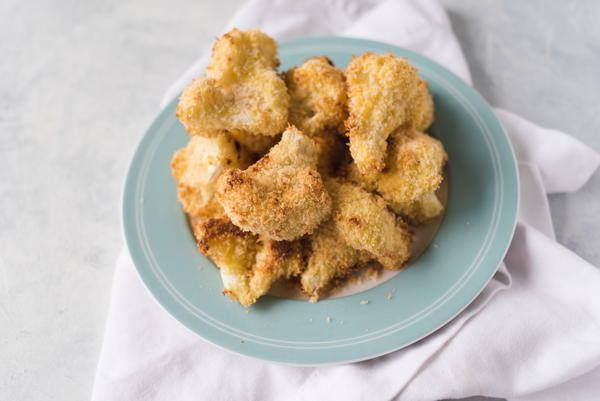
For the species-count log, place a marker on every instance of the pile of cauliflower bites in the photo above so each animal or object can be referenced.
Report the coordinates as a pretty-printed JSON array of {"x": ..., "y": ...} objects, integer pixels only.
[{"x": 311, "y": 174}]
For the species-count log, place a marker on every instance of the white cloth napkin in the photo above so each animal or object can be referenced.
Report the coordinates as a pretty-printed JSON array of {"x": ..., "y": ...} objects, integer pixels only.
[{"x": 533, "y": 334}]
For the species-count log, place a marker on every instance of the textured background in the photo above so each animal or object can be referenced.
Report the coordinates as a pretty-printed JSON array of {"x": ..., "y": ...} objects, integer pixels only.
[{"x": 80, "y": 82}]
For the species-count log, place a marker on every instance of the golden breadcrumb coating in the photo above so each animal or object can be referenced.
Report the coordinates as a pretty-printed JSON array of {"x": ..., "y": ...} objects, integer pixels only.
[
  {"x": 274, "y": 260},
  {"x": 280, "y": 197},
  {"x": 197, "y": 167},
  {"x": 364, "y": 222},
  {"x": 234, "y": 252},
  {"x": 197, "y": 225},
  {"x": 317, "y": 95},
  {"x": 414, "y": 166},
  {"x": 384, "y": 92},
  {"x": 420, "y": 211},
  {"x": 248, "y": 265},
  {"x": 241, "y": 91},
  {"x": 257, "y": 144},
  {"x": 330, "y": 259}
]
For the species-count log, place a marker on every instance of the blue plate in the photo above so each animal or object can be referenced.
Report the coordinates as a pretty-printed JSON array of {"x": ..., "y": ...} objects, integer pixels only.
[{"x": 472, "y": 240}]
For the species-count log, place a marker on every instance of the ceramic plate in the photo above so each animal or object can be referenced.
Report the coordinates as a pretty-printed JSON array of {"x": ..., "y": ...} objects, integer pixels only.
[{"x": 469, "y": 245}]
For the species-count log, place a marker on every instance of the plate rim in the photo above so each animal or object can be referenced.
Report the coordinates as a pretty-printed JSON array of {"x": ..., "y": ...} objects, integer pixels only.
[{"x": 159, "y": 119}]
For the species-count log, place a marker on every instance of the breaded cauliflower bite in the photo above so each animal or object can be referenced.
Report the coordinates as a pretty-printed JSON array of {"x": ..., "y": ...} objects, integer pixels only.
[
  {"x": 275, "y": 260},
  {"x": 241, "y": 91},
  {"x": 330, "y": 259},
  {"x": 248, "y": 264},
  {"x": 414, "y": 167},
  {"x": 317, "y": 95},
  {"x": 384, "y": 92},
  {"x": 420, "y": 211},
  {"x": 234, "y": 252},
  {"x": 280, "y": 197},
  {"x": 364, "y": 222},
  {"x": 414, "y": 170},
  {"x": 197, "y": 167}
]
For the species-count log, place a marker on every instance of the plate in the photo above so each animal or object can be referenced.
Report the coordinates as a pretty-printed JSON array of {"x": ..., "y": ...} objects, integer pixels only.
[{"x": 467, "y": 249}]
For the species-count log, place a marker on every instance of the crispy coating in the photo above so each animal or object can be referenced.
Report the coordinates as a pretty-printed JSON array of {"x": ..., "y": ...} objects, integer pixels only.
[
  {"x": 384, "y": 92},
  {"x": 330, "y": 259},
  {"x": 280, "y": 197},
  {"x": 248, "y": 264},
  {"x": 234, "y": 252},
  {"x": 364, "y": 222},
  {"x": 414, "y": 167},
  {"x": 197, "y": 167},
  {"x": 197, "y": 226},
  {"x": 274, "y": 260},
  {"x": 241, "y": 91},
  {"x": 317, "y": 95},
  {"x": 420, "y": 211}
]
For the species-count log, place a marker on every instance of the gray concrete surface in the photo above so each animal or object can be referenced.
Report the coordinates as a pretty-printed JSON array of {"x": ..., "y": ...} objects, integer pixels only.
[{"x": 80, "y": 82}]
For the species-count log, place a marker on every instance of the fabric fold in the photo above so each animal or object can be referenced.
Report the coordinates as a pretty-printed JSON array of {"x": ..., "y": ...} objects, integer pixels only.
[{"x": 565, "y": 164}]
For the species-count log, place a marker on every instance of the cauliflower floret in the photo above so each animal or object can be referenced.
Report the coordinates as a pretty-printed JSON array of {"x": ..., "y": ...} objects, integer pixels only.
[
  {"x": 414, "y": 167},
  {"x": 197, "y": 167},
  {"x": 248, "y": 264},
  {"x": 280, "y": 197},
  {"x": 242, "y": 90},
  {"x": 317, "y": 95},
  {"x": 330, "y": 259},
  {"x": 364, "y": 222},
  {"x": 384, "y": 92},
  {"x": 420, "y": 211}
]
